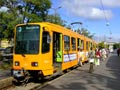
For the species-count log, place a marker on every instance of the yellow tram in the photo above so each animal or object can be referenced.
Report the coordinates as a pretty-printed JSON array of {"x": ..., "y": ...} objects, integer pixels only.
[{"x": 45, "y": 49}]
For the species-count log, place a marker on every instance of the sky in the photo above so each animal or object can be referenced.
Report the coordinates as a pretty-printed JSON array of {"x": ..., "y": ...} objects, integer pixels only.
[{"x": 101, "y": 17}]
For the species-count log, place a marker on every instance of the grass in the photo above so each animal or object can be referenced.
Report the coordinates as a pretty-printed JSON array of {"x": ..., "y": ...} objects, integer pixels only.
[{"x": 5, "y": 65}]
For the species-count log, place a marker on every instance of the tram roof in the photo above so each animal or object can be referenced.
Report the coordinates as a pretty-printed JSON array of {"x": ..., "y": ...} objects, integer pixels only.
[{"x": 61, "y": 29}]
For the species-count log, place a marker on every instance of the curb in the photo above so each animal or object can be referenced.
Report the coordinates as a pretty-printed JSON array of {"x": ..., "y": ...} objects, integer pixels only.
[{"x": 6, "y": 82}]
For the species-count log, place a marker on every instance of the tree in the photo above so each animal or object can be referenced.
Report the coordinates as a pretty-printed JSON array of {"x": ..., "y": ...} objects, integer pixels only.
[
  {"x": 20, "y": 11},
  {"x": 85, "y": 32},
  {"x": 68, "y": 26},
  {"x": 56, "y": 19},
  {"x": 101, "y": 45},
  {"x": 116, "y": 45},
  {"x": 34, "y": 10}
]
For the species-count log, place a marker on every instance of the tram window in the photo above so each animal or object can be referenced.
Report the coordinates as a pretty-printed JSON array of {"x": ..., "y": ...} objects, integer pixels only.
[
  {"x": 87, "y": 45},
  {"x": 45, "y": 44},
  {"x": 66, "y": 43},
  {"x": 78, "y": 42},
  {"x": 82, "y": 44},
  {"x": 91, "y": 45},
  {"x": 94, "y": 46},
  {"x": 73, "y": 41}
]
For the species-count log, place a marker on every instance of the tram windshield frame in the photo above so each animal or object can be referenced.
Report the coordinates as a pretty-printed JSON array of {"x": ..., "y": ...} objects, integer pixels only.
[{"x": 27, "y": 39}]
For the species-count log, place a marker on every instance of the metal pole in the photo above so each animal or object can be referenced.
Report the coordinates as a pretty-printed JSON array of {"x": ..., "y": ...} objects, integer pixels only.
[{"x": 55, "y": 12}]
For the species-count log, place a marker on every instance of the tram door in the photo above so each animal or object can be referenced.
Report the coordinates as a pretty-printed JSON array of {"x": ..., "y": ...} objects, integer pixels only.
[{"x": 57, "y": 51}]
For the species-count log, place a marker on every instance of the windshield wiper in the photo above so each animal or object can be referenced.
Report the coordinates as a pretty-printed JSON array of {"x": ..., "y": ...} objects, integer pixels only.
[{"x": 23, "y": 54}]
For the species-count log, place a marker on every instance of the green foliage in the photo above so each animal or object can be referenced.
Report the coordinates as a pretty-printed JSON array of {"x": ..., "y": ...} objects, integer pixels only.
[
  {"x": 56, "y": 19},
  {"x": 68, "y": 26},
  {"x": 101, "y": 45},
  {"x": 1, "y": 2},
  {"x": 5, "y": 65},
  {"x": 20, "y": 11},
  {"x": 85, "y": 32},
  {"x": 107, "y": 46},
  {"x": 35, "y": 10},
  {"x": 116, "y": 45}
]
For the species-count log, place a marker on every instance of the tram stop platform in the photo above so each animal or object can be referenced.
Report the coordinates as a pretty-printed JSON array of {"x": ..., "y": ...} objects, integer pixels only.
[{"x": 105, "y": 77}]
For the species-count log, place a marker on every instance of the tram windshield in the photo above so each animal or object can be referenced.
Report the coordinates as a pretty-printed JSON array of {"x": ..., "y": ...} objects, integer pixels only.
[{"x": 27, "y": 39}]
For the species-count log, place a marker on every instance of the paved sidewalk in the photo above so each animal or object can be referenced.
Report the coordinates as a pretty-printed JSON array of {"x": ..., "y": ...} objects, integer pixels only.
[
  {"x": 105, "y": 77},
  {"x": 4, "y": 74}
]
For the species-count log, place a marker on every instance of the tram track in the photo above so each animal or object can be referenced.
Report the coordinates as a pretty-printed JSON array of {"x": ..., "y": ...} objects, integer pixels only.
[{"x": 33, "y": 84}]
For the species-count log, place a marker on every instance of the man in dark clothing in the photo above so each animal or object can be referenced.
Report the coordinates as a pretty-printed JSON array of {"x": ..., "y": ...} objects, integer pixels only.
[{"x": 118, "y": 51}]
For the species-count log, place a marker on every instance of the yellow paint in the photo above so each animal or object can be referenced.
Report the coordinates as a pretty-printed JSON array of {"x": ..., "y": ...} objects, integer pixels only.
[{"x": 45, "y": 61}]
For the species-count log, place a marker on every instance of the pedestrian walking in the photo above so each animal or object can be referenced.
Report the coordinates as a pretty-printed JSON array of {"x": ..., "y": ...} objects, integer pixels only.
[
  {"x": 118, "y": 51},
  {"x": 97, "y": 57},
  {"x": 91, "y": 56},
  {"x": 107, "y": 52},
  {"x": 80, "y": 56},
  {"x": 103, "y": 54}
]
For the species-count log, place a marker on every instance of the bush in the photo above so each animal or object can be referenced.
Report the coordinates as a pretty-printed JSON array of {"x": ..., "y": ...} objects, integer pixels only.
[{"x": 5, "y": 65}]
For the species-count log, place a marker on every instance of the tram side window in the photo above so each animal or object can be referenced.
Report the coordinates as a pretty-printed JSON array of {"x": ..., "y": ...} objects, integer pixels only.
[
  {"x": 87, "y": 45},
  {"x": 78, "y": 43},
  {"x": 73, "y": 41},
  {"x": 66, "y": 43},
  {"x": 82, "y": 44},
  {"x": 45, "y": 43},
  {"x": 91, "y": 45},
  {"x": 94, "y": 46}
]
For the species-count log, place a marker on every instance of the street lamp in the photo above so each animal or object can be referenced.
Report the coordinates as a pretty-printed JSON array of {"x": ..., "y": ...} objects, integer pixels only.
[{"x": 55, "y": 11}]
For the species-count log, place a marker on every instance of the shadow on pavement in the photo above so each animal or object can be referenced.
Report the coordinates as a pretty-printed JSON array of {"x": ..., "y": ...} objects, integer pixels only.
[{"x": 105, "y": 77}]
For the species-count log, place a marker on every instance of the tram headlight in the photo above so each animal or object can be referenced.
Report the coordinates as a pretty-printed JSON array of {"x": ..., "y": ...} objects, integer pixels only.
[
  {"x": 17, "y": 63},
  {"x": 34, "y": 64}
]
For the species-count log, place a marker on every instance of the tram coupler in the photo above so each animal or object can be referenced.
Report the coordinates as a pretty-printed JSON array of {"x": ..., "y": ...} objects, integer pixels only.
[{"x": 20, "y": 75}]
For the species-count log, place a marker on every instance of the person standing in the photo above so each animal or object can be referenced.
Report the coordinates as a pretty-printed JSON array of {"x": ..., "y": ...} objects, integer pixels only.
[
  {"x": 97, "y": 55},
  {"x": 118, "y": 51},
  {"x": 103, "y": 54},
  {"x": 80, "y": 56},
  {"x": 91, "y": 56}
]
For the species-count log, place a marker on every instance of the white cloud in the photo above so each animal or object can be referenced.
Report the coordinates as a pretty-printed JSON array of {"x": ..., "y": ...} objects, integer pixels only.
[
  {"x": 96, "y": 13},
  {"x": 3, "y": 9},
  {"x": 90, "y": 9},
  {"x": 111, "y": 3}
]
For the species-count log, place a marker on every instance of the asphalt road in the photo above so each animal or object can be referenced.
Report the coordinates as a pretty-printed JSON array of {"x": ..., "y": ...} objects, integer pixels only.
[{"x": 105, "y": 77}]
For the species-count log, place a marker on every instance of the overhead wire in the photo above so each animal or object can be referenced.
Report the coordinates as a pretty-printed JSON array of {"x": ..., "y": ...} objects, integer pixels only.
[
  {"x": 103, "y": 11},
  {"x": 107, "y": 22}
]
